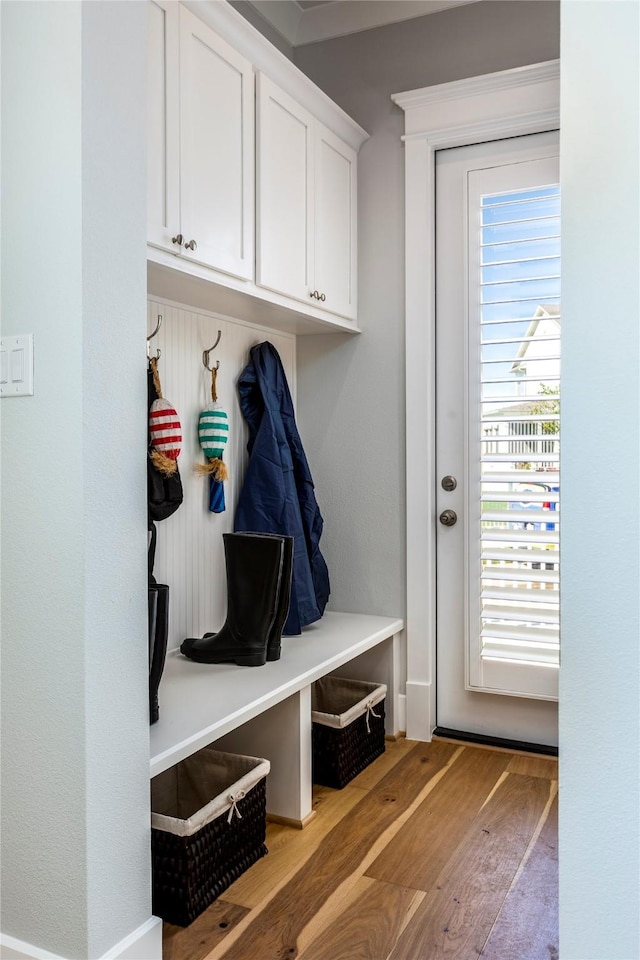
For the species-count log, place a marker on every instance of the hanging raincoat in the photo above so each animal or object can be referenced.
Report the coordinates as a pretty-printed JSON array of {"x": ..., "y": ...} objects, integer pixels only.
[{"x": 277, "y": 495}]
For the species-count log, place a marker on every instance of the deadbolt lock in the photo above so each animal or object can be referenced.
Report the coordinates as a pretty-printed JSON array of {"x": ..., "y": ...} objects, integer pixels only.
[
  {"x": 448, "y": 518},
  {"x": 449, "y": 483}
]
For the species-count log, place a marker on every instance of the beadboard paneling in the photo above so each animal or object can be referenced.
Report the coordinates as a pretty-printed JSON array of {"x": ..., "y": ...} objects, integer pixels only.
[{"x": 189, "y": 555}]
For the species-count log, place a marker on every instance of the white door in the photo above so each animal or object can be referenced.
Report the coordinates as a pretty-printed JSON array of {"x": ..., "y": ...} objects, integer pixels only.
[
  {"x": 497, "y": 446},
  {"x": 216, "y": 150}
]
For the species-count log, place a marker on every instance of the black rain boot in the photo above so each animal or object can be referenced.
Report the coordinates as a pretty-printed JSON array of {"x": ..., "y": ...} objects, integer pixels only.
[
  {"x": 283, "y": 599},
  {"x": 159, "y": 600},
  {"x": 254, "y": 570}
]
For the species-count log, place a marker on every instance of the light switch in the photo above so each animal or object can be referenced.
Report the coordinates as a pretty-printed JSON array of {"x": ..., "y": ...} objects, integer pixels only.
[{"x": 16, "y": 366}]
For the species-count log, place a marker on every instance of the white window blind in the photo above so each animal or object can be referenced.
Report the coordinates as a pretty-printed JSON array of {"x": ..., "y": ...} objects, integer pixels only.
[{"x": 517, "y": 446}]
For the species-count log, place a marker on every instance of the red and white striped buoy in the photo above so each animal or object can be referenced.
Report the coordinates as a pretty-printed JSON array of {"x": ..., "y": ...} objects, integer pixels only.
[{"x": 166, "y": 435}]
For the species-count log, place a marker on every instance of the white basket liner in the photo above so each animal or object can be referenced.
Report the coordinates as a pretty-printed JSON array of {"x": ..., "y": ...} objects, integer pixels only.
[
  {"x": 201, "y": 788},
  {"x": 340, "y": 693}
]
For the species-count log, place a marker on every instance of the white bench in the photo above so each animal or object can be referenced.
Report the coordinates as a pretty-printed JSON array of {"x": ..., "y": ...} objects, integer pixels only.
[{"x": 266, "y": 711}]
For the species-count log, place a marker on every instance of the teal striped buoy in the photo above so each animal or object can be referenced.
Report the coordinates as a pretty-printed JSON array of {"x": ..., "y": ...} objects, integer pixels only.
[{"x": 213, "y": 431}]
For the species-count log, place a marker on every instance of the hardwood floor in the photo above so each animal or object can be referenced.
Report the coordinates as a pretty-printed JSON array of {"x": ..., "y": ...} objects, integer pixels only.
[{"x": 437, "y": 851}]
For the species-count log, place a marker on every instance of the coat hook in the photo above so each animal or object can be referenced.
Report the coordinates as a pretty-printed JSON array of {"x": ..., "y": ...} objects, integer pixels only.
[
  {"x": 152, "y": 335},
  {"x": 205, "y": 353}
]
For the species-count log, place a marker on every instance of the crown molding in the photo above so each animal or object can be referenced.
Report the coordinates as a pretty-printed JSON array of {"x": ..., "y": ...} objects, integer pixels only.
[
  {"x": 283, "y": 15},
  {"x": 479, "y": 86},
  {"x": 496, "y": 104}
]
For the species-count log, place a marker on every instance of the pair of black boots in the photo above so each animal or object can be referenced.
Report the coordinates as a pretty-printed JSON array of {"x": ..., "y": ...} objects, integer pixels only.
[{"x": 259, "y": 567}]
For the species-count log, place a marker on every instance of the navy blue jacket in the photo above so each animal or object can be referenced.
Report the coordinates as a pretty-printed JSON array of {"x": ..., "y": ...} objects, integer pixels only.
[{"x": 277, "y": 495}]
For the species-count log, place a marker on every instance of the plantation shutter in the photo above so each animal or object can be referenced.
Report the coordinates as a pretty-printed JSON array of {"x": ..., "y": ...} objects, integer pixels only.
[{"x": 514, "y": 438}]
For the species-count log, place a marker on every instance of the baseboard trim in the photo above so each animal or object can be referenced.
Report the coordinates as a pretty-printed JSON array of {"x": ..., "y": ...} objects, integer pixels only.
[
  {"x": 13, "y": 949},
  {"x": 290, "y": 821},
  {"x": 144, "y": 943},
  {"x": 522, "y": 746},
  {"x": 419, "y": 711},
  {"x": 402, "y": 711}
]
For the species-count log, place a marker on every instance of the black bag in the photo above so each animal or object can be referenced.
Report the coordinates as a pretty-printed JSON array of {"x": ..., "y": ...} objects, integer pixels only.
[{"x": 164, "y": 494}]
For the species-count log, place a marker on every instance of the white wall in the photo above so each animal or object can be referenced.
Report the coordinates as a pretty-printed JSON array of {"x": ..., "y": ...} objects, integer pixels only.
[
  {"x": 351, "y": 391},
  {"x": 600, "y": 675},
  {"x": 75, "y": 843}
]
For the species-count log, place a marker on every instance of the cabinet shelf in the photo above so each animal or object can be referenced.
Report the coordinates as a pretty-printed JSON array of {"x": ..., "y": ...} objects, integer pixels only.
[
  {"x": 200, "y": 703},
  {"x": 170, "y": 278}
]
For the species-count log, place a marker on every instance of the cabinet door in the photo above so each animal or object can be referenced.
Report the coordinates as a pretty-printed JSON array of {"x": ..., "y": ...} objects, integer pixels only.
[
  {"x": 216, "y": 150},
  {"x": 163, "y": 130},
  {"x": 335, "y": 223},
  {"x": 284, "y": 193}
]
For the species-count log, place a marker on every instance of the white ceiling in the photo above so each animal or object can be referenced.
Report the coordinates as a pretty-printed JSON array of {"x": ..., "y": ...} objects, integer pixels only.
[{"x": 307, "y": 21}]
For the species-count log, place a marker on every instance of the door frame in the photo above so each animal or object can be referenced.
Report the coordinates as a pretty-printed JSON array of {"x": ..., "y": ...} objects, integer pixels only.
[{"x": 491, "y": 107}]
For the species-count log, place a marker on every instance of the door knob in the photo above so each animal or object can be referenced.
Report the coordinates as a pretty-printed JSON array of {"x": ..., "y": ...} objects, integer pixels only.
[{"x": 448, "y": 518}]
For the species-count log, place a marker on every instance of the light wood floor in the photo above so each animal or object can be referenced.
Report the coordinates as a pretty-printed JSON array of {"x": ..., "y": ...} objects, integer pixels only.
[{"x": 436, "y": 851}]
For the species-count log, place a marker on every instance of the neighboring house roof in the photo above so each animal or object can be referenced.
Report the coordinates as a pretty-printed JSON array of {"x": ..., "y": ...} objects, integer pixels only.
[{"x": 548, "y": 312}]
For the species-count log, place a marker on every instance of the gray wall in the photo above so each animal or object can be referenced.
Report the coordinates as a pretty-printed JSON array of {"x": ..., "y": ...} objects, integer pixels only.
[
  {"x": 600, "y": 676},
  {"x": 351, "y": 391},
  {"x": 75, "y": 758}
]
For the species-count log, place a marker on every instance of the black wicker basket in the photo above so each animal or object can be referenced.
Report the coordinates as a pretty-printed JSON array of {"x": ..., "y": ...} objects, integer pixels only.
[
  {"x": 194, "y": 867},
  {"x": 348, "y": 728}
]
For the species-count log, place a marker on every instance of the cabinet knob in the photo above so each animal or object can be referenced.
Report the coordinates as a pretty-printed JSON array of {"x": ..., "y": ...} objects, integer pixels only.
[
  {"x": 177, "y": 239},
  {"x": 322, "y": 297},
  {"x": 191, "y": 245}
]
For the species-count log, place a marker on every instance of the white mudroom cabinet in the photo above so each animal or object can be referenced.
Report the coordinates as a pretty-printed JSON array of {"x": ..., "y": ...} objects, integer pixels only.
[
  {"x": 273, "y": 263},
  {"x": 200, "y": 153},
  {"x": 306, "y": 205},
  {"x": 251, "y": 176}
]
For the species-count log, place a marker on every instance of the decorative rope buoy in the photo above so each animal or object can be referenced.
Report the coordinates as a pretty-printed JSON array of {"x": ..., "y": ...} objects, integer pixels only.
[
  {"x": 213, "y": 433},
  {"x": 164, "y": 429}
]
